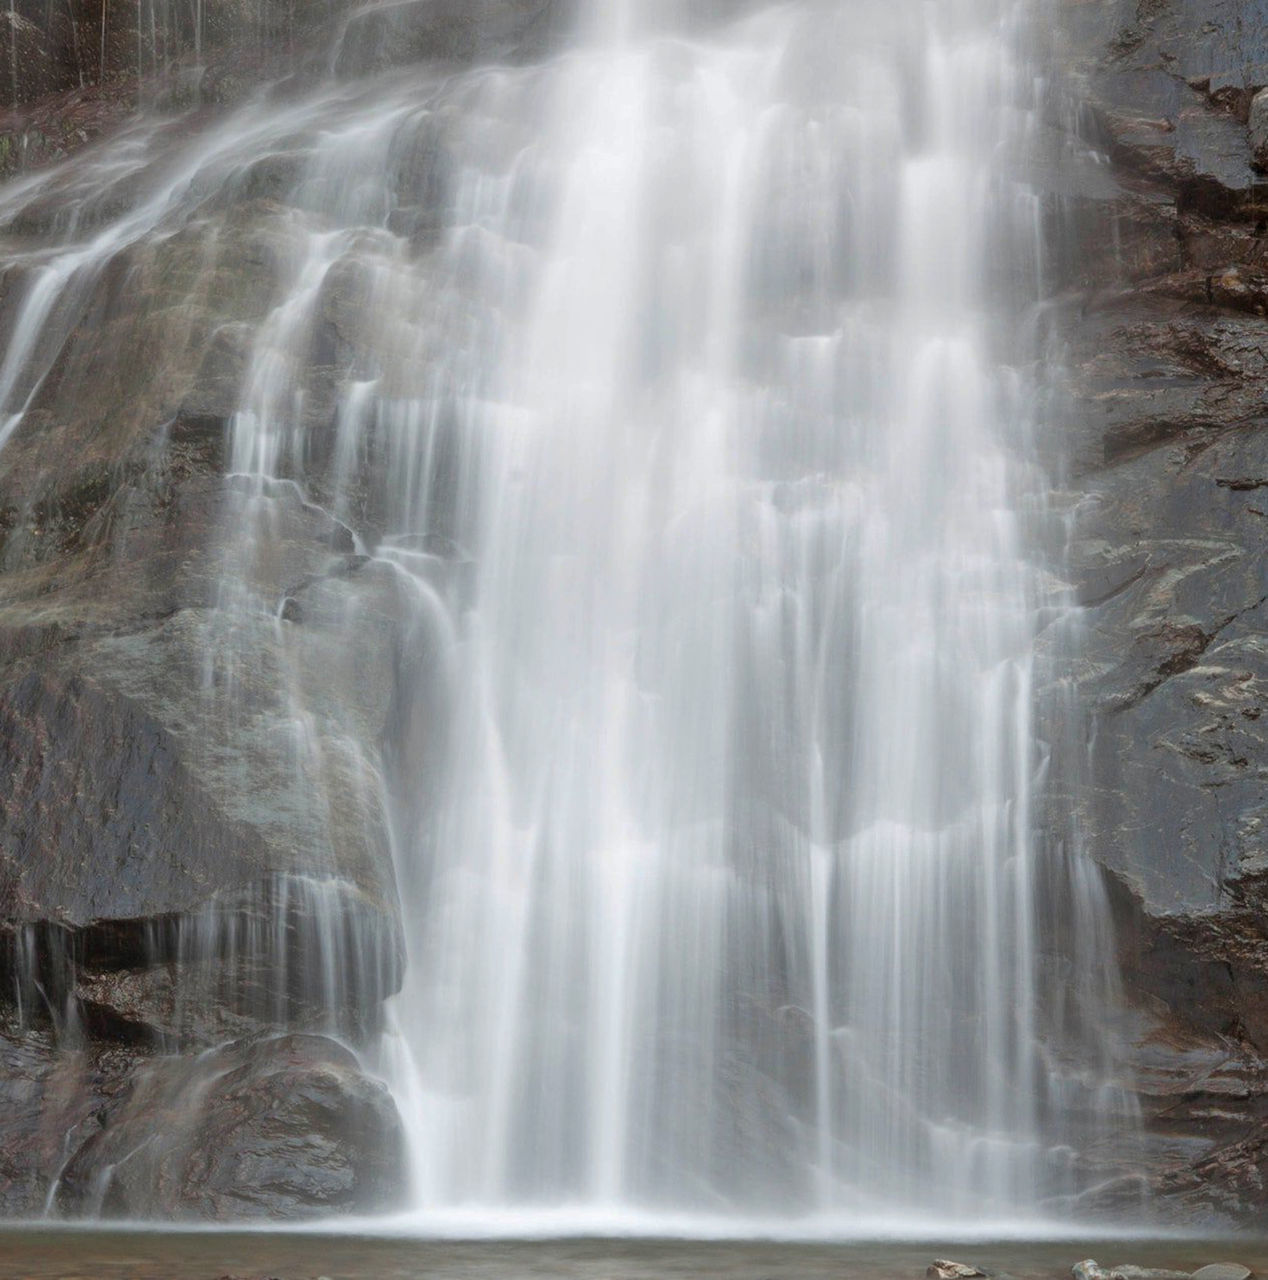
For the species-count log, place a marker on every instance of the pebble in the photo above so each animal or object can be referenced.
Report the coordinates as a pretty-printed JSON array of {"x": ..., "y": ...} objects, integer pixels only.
[
  {"x": 1222, "y": 1271},
  {"x": 944, "y": 1269}
]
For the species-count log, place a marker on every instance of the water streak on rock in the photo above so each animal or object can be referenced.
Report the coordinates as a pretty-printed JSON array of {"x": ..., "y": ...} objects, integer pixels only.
[{"x": 595, "y": 499}]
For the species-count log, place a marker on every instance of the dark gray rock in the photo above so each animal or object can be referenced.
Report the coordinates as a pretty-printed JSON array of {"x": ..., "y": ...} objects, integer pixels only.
[
  {"x": 281, "y": 1128},
  {"x": 193, "y": 843},
  {"x": 100, "y": 744},
  {"x": 1169, "y": 377},
  {"x": 51, "y": 1100}
]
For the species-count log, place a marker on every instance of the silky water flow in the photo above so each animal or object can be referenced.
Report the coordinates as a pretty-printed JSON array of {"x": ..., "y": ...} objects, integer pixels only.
[
  {"x": 724, "y": 890},
  {"x": 689, "y": 383}
]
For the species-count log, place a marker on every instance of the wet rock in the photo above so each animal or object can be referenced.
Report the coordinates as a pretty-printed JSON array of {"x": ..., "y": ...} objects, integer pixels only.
[
  {"x": 1222, "y": 1271},
  {"x": 1258, "y": 126},
  {"x": 148, "y": 734},
  {"x": 53, "y": 124},
  {"x": 292, "y": 953},
  {"x": 944, "y": 1269},
  {"x": 1168, "y": 378},
  {"x": 193, "y": 843},
  {"x": 288, "y": 1127},
  {"x": 78, "y": 45},
  {"x": 1089, "y": 1269},
  {"x": 50, "y": 1101},
  {"x": 444, "y": 30},
  {"x": 184, "y": 858},
  {"x": 1092, "y": 1270},
  {"x": 164, "y": 1006},
  {"x": 100, "y": 746},
  {"x": 132, "y": 793}
]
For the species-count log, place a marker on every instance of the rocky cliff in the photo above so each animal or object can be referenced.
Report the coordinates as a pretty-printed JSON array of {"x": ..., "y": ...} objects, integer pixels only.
[
  {"x": 1161, "y": 217},
  {"x": 203, "y": 678}
]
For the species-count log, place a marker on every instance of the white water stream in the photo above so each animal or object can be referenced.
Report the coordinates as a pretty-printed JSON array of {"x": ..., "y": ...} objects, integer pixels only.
[
  {"x": 723, "y": 893},
  {"x": 706, "y": 430}
]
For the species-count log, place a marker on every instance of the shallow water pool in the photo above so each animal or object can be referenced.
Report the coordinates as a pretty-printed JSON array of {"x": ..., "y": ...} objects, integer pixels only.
[{"x": 41, "y": 1253}]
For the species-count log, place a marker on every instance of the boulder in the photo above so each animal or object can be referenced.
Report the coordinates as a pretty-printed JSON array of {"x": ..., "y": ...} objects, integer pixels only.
[{"x": 278, "y": 1128}]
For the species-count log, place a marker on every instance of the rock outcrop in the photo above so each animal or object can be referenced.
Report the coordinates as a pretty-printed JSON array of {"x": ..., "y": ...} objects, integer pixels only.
[
  {"x": 283, "y": 1128},
  {"x": 1163, "y": 310},
  {"x": 196, "y": 881},
  {"x": 204, "y": 679}
]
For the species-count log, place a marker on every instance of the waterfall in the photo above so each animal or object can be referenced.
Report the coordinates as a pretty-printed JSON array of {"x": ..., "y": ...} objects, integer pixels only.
[
  {"x": 681, "y": 390},
  {"x": 723, "y": 891}
]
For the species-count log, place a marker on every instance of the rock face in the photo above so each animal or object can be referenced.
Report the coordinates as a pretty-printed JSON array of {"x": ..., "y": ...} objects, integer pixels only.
[
  {"x": 183, "y": 860},
  {"x": 50, "y": 1097},
  {"x": 46, "y": 50},
  {"x": 194, "y": 853},
  {"x": 1163, "y": 305},
  {"x": 280, "y": 1128},
  {"x": 204, "y": 678},
  {"x": 404, "y": 31}
]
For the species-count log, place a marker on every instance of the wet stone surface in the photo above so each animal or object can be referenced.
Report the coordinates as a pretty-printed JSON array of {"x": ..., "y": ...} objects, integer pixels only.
[{"x": 1161, "y": 304}]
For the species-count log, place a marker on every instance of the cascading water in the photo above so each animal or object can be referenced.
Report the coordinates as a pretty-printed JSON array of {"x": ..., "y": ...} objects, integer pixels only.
[
  {"x": 723, "y": 890},
  {"x": 679, "y": 390}
]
